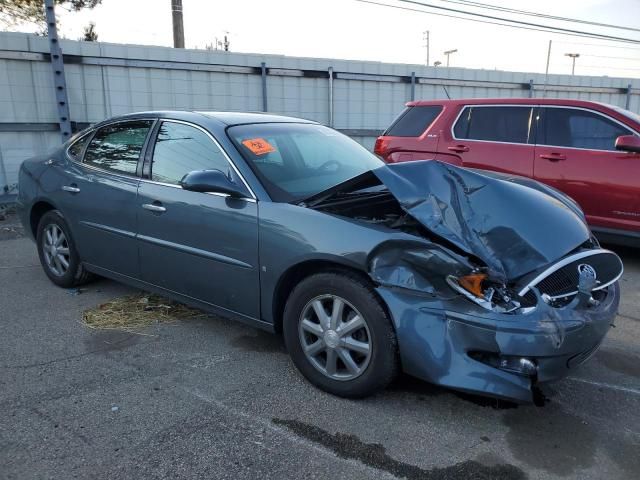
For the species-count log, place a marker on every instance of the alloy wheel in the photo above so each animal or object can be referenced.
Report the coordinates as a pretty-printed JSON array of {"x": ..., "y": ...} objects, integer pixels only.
[
  {"x": 335, "y": 337},
  {"x": 56, "y": 250}
]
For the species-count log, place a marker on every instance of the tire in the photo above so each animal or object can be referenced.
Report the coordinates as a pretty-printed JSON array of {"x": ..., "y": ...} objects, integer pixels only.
[
  {"x": 52, "y": 227},
  {"x": 368, "y": 371}
]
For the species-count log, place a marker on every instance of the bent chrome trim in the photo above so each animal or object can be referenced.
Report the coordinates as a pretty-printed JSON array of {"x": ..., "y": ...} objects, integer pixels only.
[{"x": 565, "y": 261}]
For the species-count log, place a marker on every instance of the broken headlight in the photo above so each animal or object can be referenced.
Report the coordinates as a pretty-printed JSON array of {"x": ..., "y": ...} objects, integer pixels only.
[{"x": 478, "y": 288}]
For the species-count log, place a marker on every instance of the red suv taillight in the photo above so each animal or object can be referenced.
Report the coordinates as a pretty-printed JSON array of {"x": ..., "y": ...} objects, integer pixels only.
[{"x": 380, "y": 147}]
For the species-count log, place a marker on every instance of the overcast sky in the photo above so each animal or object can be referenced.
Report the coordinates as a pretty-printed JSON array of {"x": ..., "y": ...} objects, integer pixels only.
[{"x": 353, "y": 30}]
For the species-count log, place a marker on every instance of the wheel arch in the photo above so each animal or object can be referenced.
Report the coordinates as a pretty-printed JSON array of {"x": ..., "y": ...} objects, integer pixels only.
[
  {"x": 298, "y": 272},
  {"x": 38, "y": 209}
]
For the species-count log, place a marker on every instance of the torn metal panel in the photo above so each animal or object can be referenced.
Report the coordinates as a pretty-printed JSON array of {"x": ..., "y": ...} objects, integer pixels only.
[
  {"x": 420, "y": 266},
  {"x": 508, "y": 226}
]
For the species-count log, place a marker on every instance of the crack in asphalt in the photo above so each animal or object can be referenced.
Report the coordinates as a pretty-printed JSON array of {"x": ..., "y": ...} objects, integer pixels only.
[{"x": 69, "y": 357}]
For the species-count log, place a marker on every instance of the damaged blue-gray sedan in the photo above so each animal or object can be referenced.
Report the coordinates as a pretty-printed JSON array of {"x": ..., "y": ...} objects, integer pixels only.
[{"x": 485, "y": 284}]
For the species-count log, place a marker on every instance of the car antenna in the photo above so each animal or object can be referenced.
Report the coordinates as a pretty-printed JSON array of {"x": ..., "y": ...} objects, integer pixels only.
[{"x": 445, "y": 91}]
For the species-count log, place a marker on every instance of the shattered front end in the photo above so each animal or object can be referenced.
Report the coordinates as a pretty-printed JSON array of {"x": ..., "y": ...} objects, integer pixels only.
[
  {"x": 461, "y": 330},
  {"x": 453, "y": 343},
  {"x": 493, "y": 286}
]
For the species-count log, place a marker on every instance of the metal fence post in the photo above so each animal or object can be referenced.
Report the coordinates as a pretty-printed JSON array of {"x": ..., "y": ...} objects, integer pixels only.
[
  {"x": 627, "y": 102},
  {"x": 57, "y": 65},
  {"x": 5, "y": 180},
  {"x": 331, "y": 96},
  {"x": 413, "y": 86},
  {"x": 263, "y": 70}
]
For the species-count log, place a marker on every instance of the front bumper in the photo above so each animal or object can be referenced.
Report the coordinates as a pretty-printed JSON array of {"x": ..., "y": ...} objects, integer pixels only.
[{"x": 436, "y": 338}]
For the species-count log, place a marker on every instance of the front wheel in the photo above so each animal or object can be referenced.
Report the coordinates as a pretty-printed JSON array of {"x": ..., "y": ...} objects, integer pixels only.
[{"x": 339, "y": 335}]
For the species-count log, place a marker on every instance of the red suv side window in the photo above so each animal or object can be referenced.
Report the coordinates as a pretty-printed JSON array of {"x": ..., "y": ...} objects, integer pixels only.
[
  {"x": 495, "y": 124},
  {"x": 575, "y": 128}
]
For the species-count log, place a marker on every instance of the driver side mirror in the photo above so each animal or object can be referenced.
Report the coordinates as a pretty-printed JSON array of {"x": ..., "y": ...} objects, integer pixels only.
[
  {"x": 628, "y": 143},
  {"x": 214, "y": 181}
]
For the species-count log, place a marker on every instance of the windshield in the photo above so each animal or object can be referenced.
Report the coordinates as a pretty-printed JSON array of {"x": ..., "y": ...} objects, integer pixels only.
[{"x": 296, "y": 160}]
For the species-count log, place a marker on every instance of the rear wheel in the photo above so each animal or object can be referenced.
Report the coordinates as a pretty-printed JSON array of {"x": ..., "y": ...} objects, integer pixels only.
[
  {"x": 339, "y": 335},
  {"x": 57, "y": 252}
]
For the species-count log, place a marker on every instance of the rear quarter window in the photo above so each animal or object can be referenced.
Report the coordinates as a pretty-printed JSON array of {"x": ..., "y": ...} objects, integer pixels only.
[
  {"x": 414, "y": 121},
  {"x": 77, "y": 148}
]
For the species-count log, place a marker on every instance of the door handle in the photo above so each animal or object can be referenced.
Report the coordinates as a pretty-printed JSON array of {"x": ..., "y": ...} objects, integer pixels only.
[
  {"x": 553, "y": 157},
  {"x": 153, "y": 207},
  {"x": 458, "y": 148},
  {"x": 73, "y": 188}
]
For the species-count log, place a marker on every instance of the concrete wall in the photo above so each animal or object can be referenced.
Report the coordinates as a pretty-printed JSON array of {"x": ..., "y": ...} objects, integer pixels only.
[{"x": 111, "y": 79}]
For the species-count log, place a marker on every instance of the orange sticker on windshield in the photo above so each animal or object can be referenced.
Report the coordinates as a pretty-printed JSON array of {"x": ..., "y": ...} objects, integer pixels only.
[{"x": 258, "y": 146}]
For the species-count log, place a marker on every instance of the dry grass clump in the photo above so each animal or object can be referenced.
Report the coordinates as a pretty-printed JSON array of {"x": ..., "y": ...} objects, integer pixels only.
[{"x": 134, "y": 312}]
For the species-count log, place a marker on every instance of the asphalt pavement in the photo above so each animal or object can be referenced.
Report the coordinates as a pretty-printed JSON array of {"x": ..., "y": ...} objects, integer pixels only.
[{"x": 209, "y": 398}]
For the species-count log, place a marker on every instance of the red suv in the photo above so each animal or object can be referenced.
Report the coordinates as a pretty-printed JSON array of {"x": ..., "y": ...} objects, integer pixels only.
[{"x": 588, "y": 150}]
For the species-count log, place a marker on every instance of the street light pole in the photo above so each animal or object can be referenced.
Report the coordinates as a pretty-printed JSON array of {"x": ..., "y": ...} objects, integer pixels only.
[
  {"x": 449, "y": 52},
  {"x": 425, "y": 37},
  {"x": 573, "y": 57}
]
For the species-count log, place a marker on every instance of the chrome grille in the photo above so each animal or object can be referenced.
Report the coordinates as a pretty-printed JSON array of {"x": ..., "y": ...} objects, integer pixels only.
[{"x": 561, "y": 279}]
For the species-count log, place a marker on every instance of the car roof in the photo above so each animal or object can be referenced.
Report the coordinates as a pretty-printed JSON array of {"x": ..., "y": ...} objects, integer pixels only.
[
  {"x": 221, "y": 118},
  {"x": 509, "y": 101},
  {"x": 238, "y": 118}
]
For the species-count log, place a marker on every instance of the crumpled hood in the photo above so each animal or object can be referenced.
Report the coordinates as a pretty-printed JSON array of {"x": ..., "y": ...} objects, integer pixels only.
[{"x": 514, "y": 229}]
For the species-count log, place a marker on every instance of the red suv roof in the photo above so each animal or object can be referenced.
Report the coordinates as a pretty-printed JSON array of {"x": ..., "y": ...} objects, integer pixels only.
[{"x": 507, "y": 101}]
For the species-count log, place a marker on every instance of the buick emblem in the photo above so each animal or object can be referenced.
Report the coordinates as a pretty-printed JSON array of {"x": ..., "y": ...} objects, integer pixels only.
[{"x": 587, "y": 271}]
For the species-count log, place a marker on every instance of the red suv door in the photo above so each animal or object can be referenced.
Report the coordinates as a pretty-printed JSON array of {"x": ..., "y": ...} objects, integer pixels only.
[
  {"x": 491, "y": 137},
  {"x": 576, "y": 154}
]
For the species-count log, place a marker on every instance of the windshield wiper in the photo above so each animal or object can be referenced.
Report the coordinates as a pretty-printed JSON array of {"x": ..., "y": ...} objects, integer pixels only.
[
  {"x": 359, "y": 182},
  {"x": 347, "y": 197}
]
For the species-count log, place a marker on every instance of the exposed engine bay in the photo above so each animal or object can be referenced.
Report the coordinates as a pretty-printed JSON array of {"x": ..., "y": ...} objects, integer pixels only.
[{"x": 461, "y": 254}]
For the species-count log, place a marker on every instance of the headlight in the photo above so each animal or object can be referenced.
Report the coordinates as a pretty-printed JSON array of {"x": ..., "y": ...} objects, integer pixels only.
[{"x": 478, "y": 288}]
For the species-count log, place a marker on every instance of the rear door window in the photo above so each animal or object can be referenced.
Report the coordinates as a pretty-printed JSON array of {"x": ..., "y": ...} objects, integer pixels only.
[
  {"x": 414, "y": 121},
  {"x": 117, "y": 147},
  {"x": 495, "y": 124},
  {"x": 574, "y": 128}
]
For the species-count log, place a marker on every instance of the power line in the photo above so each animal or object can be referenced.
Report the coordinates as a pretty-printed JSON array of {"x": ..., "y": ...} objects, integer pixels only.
[
  {"x": 520, "y": 22},
  {"x": 598, "y": 45},
  {"x": 543, "y": 29},
  {"x": 634, "y": 59},
  {"x": 499, "y": 8}
]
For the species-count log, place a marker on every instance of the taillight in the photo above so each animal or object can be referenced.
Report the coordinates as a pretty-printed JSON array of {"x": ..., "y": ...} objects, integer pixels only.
[{"x": 380, "y": 147}]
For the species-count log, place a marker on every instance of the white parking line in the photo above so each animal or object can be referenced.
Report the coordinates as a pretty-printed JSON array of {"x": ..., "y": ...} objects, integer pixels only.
[{"x": 606, "y": 385}]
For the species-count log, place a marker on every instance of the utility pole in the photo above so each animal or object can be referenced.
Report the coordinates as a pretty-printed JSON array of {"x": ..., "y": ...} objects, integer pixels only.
[
  {"x": 425, "y": 37},
  {"x": 573, "y": 57},
  {"x": 178, "y": 26},
  {"x": 546, "y": 71},
  {"x": 449, "y": 52}
]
